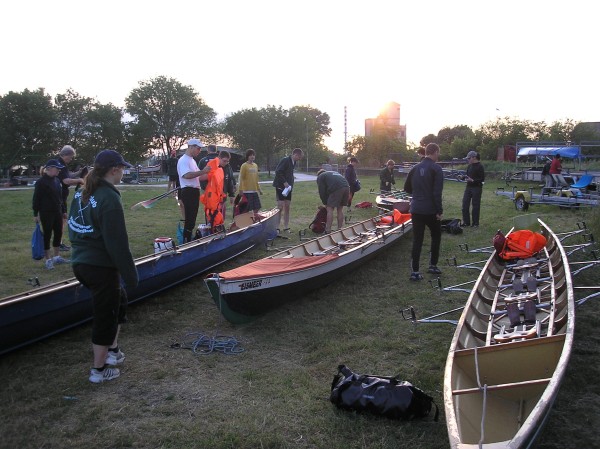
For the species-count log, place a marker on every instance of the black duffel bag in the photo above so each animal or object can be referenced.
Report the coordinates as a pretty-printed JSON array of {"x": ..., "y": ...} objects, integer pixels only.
[{"x": 385, "y": 396}]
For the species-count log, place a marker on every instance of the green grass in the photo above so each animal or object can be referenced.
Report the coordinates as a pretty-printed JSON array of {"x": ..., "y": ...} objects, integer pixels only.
[{"x": 274, "y": 394}]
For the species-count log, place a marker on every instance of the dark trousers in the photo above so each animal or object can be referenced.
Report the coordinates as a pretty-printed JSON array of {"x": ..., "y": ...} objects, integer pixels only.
[
  {"x": 419, "y": 222},
  {"x": 52, "y": 222},
  {"x": 190, "y": 197},
  {"x": 471, "y": 195},
  {"x": 109, "y": 300}
]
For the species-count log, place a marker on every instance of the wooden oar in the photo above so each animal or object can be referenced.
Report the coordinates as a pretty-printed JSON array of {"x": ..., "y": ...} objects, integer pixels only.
[{"x": 147, "y": 204}]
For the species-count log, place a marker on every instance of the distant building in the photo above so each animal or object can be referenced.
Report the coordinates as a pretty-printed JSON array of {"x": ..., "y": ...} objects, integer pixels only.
[{"x": 388, "y": 120}]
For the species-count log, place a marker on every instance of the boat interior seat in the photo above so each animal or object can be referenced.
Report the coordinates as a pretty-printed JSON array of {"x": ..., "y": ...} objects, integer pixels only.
[{"x": 518, "y": 334}]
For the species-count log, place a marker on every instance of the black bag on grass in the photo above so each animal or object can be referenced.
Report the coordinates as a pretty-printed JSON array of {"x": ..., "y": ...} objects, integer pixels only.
[
  {"x": 452, "y": 226},
  {"x": 384, "y": 396}
]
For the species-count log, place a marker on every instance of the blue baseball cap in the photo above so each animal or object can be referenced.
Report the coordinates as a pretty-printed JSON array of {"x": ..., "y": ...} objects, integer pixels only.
[
  {"x": 110, "y": 158},
  {"x": 54, "y": 163}
]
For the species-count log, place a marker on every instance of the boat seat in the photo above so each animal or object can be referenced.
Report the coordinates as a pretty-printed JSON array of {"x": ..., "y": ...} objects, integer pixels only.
[
  {"x": 525, "y": 333},
  {"x": 525, "y": 383}
]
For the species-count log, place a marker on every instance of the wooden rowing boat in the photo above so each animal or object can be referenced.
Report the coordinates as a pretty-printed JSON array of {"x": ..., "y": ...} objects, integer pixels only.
[
  {"x": 501, "y": 377},
  {"x": 36, "y": 314},
  {"x": 247, "y": 292}
]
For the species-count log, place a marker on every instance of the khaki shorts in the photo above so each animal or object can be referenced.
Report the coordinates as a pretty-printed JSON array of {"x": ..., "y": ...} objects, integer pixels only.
[{"x": 339, "y": 198}]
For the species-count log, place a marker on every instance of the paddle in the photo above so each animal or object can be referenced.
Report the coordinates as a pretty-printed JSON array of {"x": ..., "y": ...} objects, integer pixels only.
[{"x": 147, "y": 204}]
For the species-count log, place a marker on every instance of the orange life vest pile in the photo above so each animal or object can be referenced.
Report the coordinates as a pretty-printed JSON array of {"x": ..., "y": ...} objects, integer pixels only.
[
  {"x": 518, "y": 244},
  {"x": 397, "y": 218},
  {"x": 213, "y": 195}
]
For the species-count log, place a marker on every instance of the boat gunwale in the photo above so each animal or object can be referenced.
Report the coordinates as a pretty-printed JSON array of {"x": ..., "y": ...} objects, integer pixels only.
[{"x": 72, "y": 282}]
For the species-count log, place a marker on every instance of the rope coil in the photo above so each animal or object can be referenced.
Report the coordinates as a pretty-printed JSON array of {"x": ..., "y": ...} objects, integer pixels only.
[{"x": 202, "y": 344}]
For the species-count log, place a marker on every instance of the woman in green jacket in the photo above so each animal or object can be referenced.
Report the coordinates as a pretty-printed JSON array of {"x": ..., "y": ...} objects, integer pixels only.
[{"x": 101, "y": 257}]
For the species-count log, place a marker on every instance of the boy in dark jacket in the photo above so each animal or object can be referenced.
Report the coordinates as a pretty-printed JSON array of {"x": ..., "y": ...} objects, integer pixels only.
[
  {"x": 283, "y": 183},
  {"x": 425, "y": 183}
]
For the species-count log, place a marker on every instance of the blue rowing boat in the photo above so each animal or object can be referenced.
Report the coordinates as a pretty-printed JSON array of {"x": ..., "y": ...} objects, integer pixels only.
[{"x": 41, "y": 312}]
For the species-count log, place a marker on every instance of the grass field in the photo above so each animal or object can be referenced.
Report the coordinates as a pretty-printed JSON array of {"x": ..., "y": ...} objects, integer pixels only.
[{"x": 275, "y": 394}]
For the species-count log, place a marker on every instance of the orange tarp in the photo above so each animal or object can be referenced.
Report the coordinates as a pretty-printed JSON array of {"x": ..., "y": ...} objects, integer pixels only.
[{"x": 270, "y": 267}]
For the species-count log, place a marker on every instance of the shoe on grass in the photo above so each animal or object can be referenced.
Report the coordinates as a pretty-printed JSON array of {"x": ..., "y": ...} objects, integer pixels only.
[
  {"x": 416, "y": 276},
  {"x": 49, "y": 264},
  {"x": 114, "y": 358},
  {"x": 57, "y": 260},
  {"x": 64, "y": 247},
  {"x": 433, "y": 269},
  {"x": 97, "y": 376}
]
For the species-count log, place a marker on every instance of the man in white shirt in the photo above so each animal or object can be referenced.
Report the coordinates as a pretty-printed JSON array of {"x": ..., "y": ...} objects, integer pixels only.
[{"x": 189, "y": 180}]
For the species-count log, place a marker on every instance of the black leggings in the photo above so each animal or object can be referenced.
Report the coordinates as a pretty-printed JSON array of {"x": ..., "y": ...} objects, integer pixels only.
[
  {"x": 109, "y": 300},
  {"x": 52, "y": 223}
]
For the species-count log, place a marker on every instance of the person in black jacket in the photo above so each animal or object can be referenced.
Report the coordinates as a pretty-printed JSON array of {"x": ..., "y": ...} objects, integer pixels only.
[
  {"x": 386, "y": 177},
  {"x": 475, "y": 178},
  {"x": 48, "y": 209},
  {"x": 283, "y": 183},
  {"x": 352, "y": 179},
  {"x": 425, "y": 182},
  {"x": 229, "y": 187}
]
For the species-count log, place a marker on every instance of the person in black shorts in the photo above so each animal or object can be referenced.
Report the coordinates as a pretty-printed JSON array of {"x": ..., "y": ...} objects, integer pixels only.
[{"x": 283, "y": 183}]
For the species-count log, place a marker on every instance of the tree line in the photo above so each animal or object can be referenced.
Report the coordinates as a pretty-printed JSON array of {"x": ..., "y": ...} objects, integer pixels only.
[{"x": 161, "y": 114}]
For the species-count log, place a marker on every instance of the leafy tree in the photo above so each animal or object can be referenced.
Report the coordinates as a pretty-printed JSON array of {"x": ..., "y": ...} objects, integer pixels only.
[
  {"x": 72, "y": 125},
  {"x": 166, "y": 114},
  {"x": 382, "y": 145},
  {"x": 266, "y": 130},
  {"x": 106, "y": 130},
  {"x": 26, "y": 128},
  {"x": 429, "y": 138}
]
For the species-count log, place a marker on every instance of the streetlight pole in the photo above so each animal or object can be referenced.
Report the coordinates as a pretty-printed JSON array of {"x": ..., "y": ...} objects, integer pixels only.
[{"x": 306, "y": 128}]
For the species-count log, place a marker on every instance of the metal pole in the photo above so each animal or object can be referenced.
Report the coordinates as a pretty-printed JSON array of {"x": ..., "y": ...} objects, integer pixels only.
[{"x": 306, "y": 126}]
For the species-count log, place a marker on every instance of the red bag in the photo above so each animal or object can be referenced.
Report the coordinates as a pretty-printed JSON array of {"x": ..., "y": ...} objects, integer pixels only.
[
  {"x": 318, "y": 224},
  {"x": 364, "y": 205}
]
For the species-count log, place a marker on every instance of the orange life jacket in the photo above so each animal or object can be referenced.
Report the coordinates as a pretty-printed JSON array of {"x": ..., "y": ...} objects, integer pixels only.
[
  {"x": 521, "y": 244},
  {"x": 398, "y": 218},
  {"x": 213, "y": 195}
]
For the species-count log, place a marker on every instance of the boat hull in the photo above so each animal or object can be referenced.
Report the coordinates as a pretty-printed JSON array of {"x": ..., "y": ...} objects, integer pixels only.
[
  {"x": 498, "y": 390},
  {"x": 243, "y": 300},
  {"x": 42, "y": 312}
]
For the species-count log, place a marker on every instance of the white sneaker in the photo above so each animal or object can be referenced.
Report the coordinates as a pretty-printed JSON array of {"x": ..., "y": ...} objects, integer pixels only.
[
  {"x": 114, "y": 358},
  {"x": 49, "y": 264},
  {"x": 106, "y": 374},
  {"x": 58, "y": 260}
]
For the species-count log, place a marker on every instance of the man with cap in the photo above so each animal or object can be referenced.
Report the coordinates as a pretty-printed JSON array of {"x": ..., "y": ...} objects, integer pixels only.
[
  {"x": 48, "y": 209},
  {"x": 475, "y": 178},
  {"x": 101, "y": 258},
  {"x": 189, "y": 180},
  {"x": 68, "y": 179}
]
